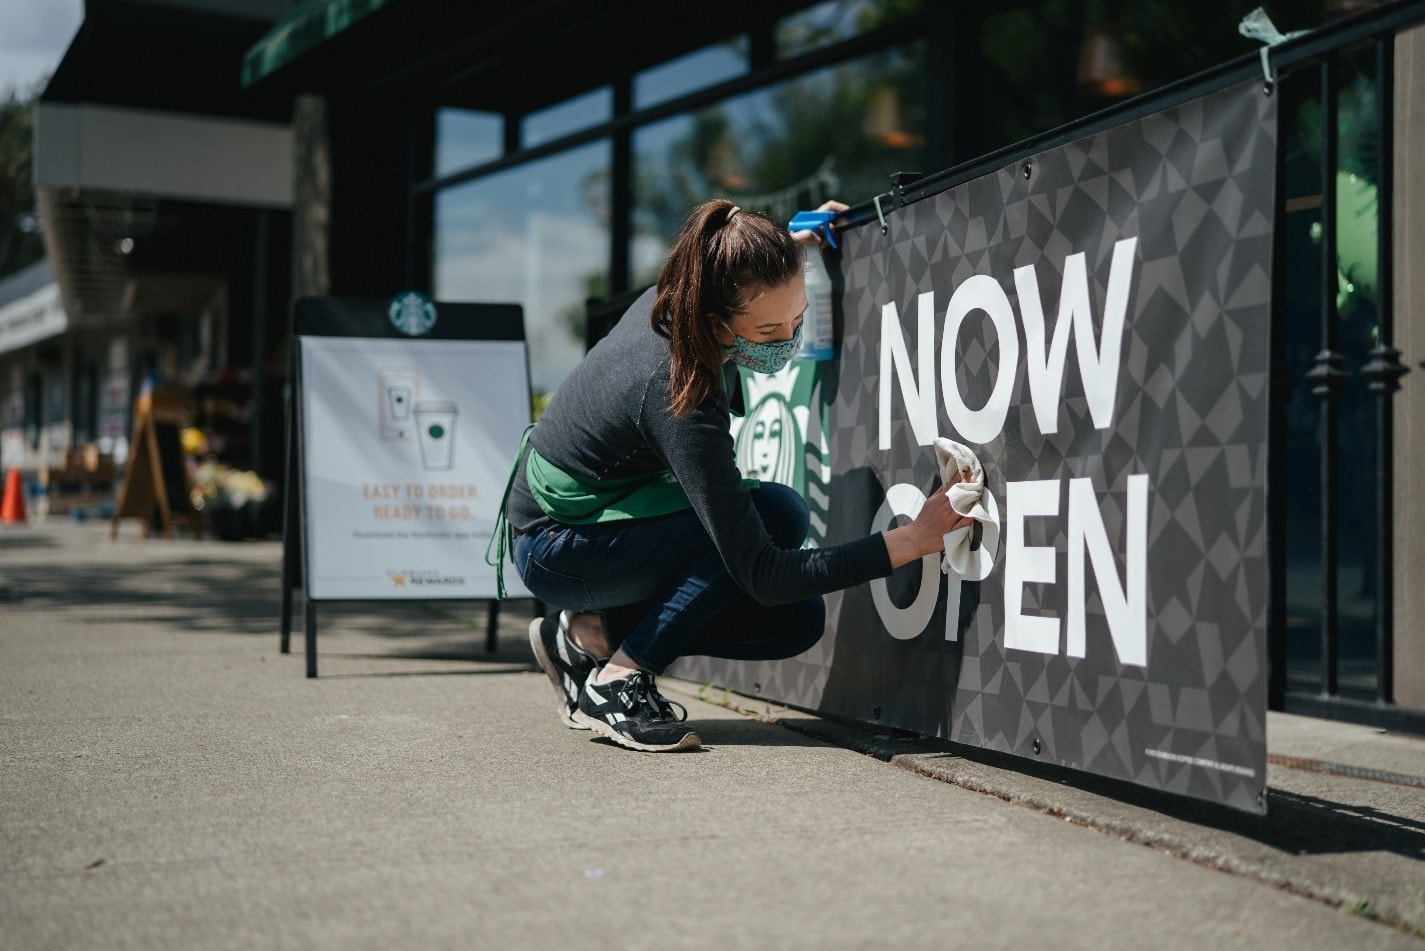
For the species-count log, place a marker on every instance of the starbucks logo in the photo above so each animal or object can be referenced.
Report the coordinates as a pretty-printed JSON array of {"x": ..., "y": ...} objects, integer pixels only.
[
  {"x": 776, "y": 441},
  {"x": 412, "y": 313},
  {"x": 770, "y": 446}
]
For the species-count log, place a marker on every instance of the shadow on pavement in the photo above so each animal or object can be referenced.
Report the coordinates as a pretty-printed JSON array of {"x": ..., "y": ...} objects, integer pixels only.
[
  {"x": 1295, "y": 824},
  {"x": 8, "y": 541},
  {"x": 1306, "y": 825},
  {"x": 228, "y": 598},
  {"x": 476, "y": 672},
  {"x": 217, "y": 596},
  {"x": 741, "y": 732}
]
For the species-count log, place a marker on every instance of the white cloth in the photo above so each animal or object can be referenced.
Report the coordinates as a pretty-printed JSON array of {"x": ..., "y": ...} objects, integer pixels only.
[
  {"x": 968, "y": 498},
  {"x": 1258, "y": 26}
]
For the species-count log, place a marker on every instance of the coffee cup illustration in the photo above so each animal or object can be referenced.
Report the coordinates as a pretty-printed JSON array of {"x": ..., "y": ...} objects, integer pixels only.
[{"x": 435, "y": 429}]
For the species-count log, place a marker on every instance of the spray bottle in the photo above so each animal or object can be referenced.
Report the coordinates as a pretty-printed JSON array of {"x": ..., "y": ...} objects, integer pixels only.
[{"x": 818, "y": 338}]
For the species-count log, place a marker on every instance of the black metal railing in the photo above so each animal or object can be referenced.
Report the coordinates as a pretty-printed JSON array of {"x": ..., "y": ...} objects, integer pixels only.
[{"x": 1367, "y": 478}]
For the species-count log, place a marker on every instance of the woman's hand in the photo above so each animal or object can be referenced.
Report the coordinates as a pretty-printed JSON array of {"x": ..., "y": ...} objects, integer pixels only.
[
  {"x": 925, "y": 535},
  {"x": 814, "y": 238}
]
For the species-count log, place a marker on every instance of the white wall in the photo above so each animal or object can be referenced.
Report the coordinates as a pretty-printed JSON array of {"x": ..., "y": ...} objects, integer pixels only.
[{"x": 163, "y": 154}]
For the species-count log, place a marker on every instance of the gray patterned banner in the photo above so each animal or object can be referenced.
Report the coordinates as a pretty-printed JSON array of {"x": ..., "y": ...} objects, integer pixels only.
[{"x": 1093, "y": 322}]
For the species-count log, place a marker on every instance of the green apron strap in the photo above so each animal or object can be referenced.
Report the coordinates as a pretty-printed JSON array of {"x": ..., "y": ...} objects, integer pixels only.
[{"x": 502, "y": 540}]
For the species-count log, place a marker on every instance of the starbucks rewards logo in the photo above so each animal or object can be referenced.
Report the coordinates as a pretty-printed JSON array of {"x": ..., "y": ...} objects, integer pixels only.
[
  {"x": 423, "y": 577},
  {"x": 412, "y": 313}
]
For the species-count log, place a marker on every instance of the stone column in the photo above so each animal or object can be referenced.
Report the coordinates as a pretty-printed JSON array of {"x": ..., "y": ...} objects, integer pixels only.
[
  {"x": 311, "y": 198},
  {"x": 1409, "y": 331}
]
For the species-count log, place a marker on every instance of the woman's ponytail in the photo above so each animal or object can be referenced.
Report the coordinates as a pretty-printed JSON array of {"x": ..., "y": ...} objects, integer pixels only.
[{"x": 722, "y": 257}]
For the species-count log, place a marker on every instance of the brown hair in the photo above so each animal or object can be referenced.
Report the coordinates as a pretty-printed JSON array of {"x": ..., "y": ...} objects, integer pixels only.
[{"x": 721, "y": 259}]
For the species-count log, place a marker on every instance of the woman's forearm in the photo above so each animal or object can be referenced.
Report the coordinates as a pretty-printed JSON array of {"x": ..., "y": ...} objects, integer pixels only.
[{"x": 906, "y": 543}]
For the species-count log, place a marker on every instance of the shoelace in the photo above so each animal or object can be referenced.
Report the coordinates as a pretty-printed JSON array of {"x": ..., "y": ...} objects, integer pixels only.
[{"x": 642, "y": 692}]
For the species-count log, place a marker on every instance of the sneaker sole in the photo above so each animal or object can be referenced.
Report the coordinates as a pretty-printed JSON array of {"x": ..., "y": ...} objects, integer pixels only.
[
  {"x": 546, "y": 664},
  {"x": 691, "y": 741}
]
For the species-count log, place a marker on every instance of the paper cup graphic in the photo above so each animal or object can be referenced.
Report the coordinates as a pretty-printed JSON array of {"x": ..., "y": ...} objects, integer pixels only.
[{"x": 435, "y": 426}]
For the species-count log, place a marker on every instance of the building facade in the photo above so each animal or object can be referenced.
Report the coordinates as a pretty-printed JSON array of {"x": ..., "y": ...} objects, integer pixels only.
[
  {"x": 164, "y": 192},
  {"x": 543, "y": 154}
]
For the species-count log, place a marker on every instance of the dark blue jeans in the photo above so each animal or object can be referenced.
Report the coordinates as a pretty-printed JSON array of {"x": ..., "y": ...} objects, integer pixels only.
[{"x": 663, "y": 589}]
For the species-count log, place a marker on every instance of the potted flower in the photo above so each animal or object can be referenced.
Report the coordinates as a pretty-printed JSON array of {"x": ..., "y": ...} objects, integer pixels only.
[{"x": 229, "y": 499}]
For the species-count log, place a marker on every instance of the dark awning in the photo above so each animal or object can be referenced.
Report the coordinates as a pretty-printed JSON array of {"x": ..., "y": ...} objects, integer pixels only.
[
  {"x": 305, "y": 26},
  {"x": 162, "y": 56},
  {"x": 499, "y": 55}
]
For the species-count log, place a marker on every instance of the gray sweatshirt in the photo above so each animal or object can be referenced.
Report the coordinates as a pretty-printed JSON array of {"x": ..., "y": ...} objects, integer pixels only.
[{"x": 610, "y": 418}]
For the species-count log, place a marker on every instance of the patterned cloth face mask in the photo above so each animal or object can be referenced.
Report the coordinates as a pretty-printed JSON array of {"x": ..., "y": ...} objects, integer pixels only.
[{"x": 766, "y": 357}]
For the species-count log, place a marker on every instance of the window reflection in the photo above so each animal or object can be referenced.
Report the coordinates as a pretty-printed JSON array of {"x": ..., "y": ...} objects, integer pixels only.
[
  {"x": 567, "y": 117},
  {"x": 1300, "y": 287},
  {"x": 687, "y": 74},
  {"x": 1049, "y": 63},
  {"x": 537, "y": 236},
  {"x": 838, "y": 132},
  {"x": 464, "y": 138},
  {"x": 837, "y": 20},
  {"x": 1028, "y": 61}
]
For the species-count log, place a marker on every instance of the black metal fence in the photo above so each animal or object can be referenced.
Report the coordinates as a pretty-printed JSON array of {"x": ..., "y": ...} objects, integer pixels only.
[{"x": 1336, "y": 374}]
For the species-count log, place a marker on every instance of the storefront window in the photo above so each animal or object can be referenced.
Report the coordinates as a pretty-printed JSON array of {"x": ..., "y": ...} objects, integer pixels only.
[
  {"x": 86, "y": 392},
  {"x": 1025, "y": 82},
  {"x": 34, "y": 410},
  {"x": 837, "y": 20},
  {"x": 567, "y": 117},
  {"x": 839, "y": 132},
  {"x": 1048, "y": 63},
  {"x": 537, "y": 235},
  {"x": 464, "y": 138},
  {"x": 686, "y": 74}
]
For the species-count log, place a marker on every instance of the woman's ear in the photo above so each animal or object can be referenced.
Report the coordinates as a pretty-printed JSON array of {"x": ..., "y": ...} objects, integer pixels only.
[{"x": 722, "y": 330}]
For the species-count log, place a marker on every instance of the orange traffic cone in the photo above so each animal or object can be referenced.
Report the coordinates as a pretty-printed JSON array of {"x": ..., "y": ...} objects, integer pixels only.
[{"x": 12, "y": 509}]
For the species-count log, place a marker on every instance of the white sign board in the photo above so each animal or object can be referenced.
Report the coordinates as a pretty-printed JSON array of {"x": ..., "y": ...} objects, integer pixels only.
[
  {"x": 34, "y": 317},
  {"x": 406, "y": 449}
]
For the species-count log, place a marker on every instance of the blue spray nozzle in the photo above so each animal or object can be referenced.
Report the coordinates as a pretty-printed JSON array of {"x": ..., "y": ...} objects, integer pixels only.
[{"x": 815, "y": 221}]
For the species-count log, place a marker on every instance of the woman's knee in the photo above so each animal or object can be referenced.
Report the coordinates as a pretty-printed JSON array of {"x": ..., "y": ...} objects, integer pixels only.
[
  {"x": 808, "y": 624},
  {"x": 799, "y": 632},
  {"x": 784, "y": 514}
]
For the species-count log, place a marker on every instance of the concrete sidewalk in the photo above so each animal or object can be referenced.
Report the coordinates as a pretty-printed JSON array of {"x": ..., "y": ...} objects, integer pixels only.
[{"x": 172, "y": 781}]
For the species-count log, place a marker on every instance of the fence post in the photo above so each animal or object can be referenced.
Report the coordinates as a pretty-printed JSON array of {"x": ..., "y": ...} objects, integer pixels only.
[
  {"x": 1384, "y": 371},
  {"x": 1326, "y": 378}
]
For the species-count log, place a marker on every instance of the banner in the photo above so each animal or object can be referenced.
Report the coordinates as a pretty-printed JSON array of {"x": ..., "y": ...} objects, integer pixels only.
[{"x": 1093, "y": 321}]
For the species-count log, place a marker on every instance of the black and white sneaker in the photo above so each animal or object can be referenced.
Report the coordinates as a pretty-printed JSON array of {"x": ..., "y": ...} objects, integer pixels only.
[
  {"x": 631, "y": 712},
  {"x": 563, "y": 662}
]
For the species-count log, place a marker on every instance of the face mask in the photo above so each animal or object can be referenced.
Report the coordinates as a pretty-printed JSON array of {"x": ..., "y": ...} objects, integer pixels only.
[{"x": 764, "y": 357}]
